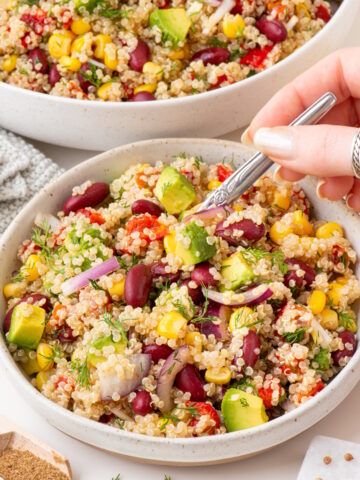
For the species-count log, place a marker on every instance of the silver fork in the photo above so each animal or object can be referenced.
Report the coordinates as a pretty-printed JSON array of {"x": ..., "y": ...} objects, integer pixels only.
[{"x": 247, "y": 174}]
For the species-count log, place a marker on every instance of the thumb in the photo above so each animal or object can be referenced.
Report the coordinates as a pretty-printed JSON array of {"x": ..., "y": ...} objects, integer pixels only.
[{"x": 320, "y": 150}]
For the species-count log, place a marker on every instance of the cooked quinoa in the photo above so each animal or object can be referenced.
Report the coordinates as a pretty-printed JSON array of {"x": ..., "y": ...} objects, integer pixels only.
[
  {"x": 131, "y": 312},
  {"x": 144, "y": 50}
]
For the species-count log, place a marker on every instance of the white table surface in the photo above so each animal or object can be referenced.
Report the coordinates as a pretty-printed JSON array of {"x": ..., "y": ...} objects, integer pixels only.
[{"x": 88, "y": 463}]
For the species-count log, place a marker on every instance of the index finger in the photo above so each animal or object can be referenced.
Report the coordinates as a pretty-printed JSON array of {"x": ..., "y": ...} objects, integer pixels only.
[{"x": 337, "y": 73}]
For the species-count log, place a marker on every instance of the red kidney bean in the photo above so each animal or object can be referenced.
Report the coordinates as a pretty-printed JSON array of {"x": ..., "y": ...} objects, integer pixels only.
[
  {"x": 202, "y": 276},
  {"x": 54, "y": 75},
  {"x": 195, "y": 294},
  {"x": 106, "y": 417},
  {"x": 146, "y": 206},
  {"x": 189, "y": 380},
  {"x": 139, "y": 56},
  {"x": 238, "y": 8},
  {"x": 212, "y": 55},
  {"x": 346, "y": 337},
  {"x": 158, "y": 272},
  {"x": 141, "y": 404},
  {"x": 137, "y": 285},
  {"x": 251, "y": 348},
  {"x": 65, "y": 335},
  {"x": 39, "y": 60},
  {"x": 30, "y": 298},
  {"x": 142, "y": 97},
  {"x": 292, "y": 281},
  {"x": 274, "y": 30},
  {"x": 84, "y": 84},
  {"x": 93, "y": 196},
  {"x": 309, "y": 275},
  {"x": 157, "y": 352},
  {"x": 252, "y": 232}
]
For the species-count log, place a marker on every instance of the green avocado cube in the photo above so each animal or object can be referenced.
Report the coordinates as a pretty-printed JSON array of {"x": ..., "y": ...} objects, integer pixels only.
[
  {"x": 27, "y": 325},
  {"x": 173, "y": 23},
  {"x": 198, "y": 250},
  {"x": 94, "y": 359},
  {"x": 174, "y": 191},
  {"x": 236, "y": 272},
  {"x": 242, "y": 410}
]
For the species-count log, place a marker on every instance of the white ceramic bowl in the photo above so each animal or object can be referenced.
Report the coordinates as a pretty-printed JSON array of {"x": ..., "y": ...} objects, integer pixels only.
[
  {"x": 100, "y": 126},
  {"x": 213, "y": 449}
]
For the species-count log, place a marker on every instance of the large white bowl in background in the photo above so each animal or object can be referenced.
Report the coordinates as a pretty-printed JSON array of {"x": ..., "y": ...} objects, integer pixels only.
[
  {"x": 213, "y": 449},
  {"x": 102, "y": 125}
]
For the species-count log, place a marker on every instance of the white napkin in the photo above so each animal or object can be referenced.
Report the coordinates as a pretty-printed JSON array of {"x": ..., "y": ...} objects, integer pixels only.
[
  {"x": 23, "y": 172},
  {"x": 335, "y": 466}
]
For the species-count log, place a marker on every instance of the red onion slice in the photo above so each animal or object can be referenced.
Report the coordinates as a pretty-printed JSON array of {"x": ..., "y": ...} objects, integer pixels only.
[
  {"x": 216, "y": 214},
  {"x": 79, "y": 281},
  {"x": 253, "y": 296},
  {"x": 172, "y": 366},
  {"x": 219, "y": 329},
  {"x": 111, "y": 384}
]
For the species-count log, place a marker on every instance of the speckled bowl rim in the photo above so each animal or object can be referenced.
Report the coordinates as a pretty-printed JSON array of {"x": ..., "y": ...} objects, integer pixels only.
[{"x": 14, "y": 373}]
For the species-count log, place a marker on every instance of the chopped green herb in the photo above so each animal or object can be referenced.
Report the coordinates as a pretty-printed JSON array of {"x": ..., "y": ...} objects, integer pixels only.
[
  {"x": 295, "y": 337},
  {"x": 90, "y": 75},
  {"x": 216, "y": 42},
  {"x": 322, "y": 359},
  {"x": 40, "y": 237},
  {"x": 95, "y": 285},
  {"x": 115, "y": 325},
  {"x": 167, "y": 477},
  {"x": 251, "y": 73},
  {"x": 198, "y": 161},
  {"x": 118, "y": 477},
  {"x": 235, "y": 54},
  {"x": 244, "y": 402},
  {"x": 82, "y": 371},
  {"x": 114, "y": 13},
  {"x": 347, "y": 321}
]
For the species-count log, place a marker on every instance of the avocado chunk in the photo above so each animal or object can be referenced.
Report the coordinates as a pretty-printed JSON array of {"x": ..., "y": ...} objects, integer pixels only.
[
  {"x": 94, "y": 359},
  {"x": 236, "y": 271},
  {"x": 198, "y": 250},
  {"x": 242, "y": 410},
  {"x": 27, "y": 325},
  {"x": 173, "y": 23},
  {"x": 174, "y": 191}
]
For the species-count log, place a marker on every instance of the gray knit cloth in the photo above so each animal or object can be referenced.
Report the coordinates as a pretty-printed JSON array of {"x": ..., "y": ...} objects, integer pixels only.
[{"x": 23, "y": 172}]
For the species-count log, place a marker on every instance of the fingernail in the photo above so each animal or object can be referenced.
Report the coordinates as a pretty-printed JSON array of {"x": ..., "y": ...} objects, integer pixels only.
[
  {"x": 277, "y": 142},
  {"x": 318, "y": 189},
  {"x": 347, "y": 200},
  {"x": 277, "y": 175},
  {"x": 245, "y": 138}
]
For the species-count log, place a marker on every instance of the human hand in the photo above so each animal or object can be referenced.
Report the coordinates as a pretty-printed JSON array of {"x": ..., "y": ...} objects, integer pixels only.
[{"x": 323, "y": 150}]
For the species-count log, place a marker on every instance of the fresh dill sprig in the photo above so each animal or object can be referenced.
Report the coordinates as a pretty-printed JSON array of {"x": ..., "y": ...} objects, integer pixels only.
[
  {"x": 82, "y": 371},
  {"x": 202, "y": 317},
  {"x": 118, "y": 477},
  {"x": 95, "y": 285},
  {"x": 295, "y": 337},
  {"x": 40, "y": 237},
  {"x": 115, "y": 325},
  {"x": 255, "y": 254},
  {"x": 167, "y": 477}
]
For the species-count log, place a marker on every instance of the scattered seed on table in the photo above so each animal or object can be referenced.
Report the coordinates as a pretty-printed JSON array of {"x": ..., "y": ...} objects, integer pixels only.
[
  {"x": 348, "y": 457},
  {"x": 327, "y": 460}
]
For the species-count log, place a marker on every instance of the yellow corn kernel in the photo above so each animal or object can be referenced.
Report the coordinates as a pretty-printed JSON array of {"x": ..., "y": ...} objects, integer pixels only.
[
  {"x": 317, "y": 301},
  {"x": 41, "y": 379},
  {"x": 329, "y": 319},
  {"x": 282, "y": 200},
  {"x": 219, "y": 376},
  {"x": 335, "y": 292},
  {"x": 237, "y": 207},
  {"x": 104, "y": 92},
  {"x": 240, "y": 318},
  {"x": 194, "y": 339},
  {"x": 213, "y": 184},
  {"x": 78, "y": 44},
  {"x": 100, "y": 41},
  {"x": 301, "y": 223},
  {"x": 9, "y": 63},
  {"x": 30, "y": 268},
  {"x": 110, "y": 56},
  {"x": 14, "y": 289},
  {"x": 329, "y": 229},
  {"x": 342, "y": 280},
  {"x": 171, "y": 325},
  {"x": 70, "y": 63},
  {"x": 233, "y": 26},
  {"x": 279, "y": 231},
  {"x": 146, "y": 87},
  {"x": 117, "y": 289},
  {"x": 31, "y": 365},
  {"x": 302, "y": 10},
  {"x": 154, "y": 69},
  {"x": 59, "y": 44},
  {"x": 170, "y": 243},
  {"x": 178, "y": 54},
  {"x": 45, "y": 356},
  {"x": 79, "y": 27}
]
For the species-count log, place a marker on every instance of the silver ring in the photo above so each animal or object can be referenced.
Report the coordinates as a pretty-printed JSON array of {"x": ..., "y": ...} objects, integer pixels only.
[{"x": 355, "y": 155}]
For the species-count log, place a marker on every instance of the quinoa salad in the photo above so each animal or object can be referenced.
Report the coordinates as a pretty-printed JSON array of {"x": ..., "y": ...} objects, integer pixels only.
[
  {"x": 132, "y": 308},
  {"x": 149, "y": 49}
]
